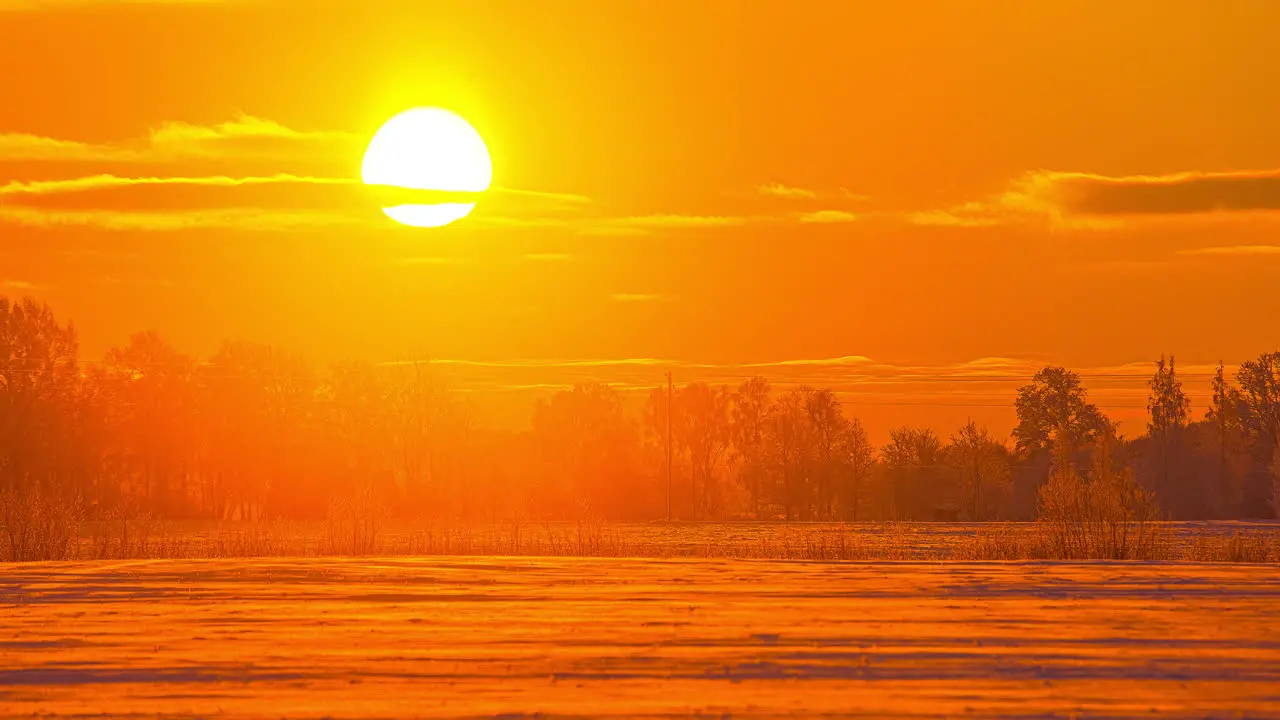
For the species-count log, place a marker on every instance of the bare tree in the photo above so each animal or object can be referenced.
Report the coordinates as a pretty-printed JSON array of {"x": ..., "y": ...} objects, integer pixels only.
[
  {"x": 152, "y": 412},
  {"x": 983, "y": 464},
  {"x": 705, "y": 435},
  {"x": 859, "y": 457},
  {"x": 752, "y": 408},
  {"x": 790, "y": 446},
  {"x": 912, "y": 457},
  {"x": 827, "y": 424}
]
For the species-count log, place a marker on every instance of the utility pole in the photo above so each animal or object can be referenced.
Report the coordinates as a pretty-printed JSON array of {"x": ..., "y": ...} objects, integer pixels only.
[{"x": 670, "y": 395}]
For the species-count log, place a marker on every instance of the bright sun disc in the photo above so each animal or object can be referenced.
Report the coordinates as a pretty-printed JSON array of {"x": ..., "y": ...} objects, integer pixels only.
[{"x": 428, "y": 149}]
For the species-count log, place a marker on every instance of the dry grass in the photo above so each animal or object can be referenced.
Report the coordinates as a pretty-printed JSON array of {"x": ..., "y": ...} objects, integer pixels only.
[
  {"x": 1002, "y": 543},
  {"x": 36, "y": 526},
  {"x": 1235, "y": 548},
  {"x": 344, "y": 533}
]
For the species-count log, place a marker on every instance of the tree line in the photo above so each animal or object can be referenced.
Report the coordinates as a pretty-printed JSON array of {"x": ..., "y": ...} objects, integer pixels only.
[{"x": 252, "y": 432}]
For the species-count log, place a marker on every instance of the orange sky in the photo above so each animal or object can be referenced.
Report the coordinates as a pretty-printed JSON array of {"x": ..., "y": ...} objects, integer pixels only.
[{"x": 924, "y": 184}]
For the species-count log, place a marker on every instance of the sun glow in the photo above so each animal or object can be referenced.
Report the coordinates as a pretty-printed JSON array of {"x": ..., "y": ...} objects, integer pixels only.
[{"x": 430, "y": 149}]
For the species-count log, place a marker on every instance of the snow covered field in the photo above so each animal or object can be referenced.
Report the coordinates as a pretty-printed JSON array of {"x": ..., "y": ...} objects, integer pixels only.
[{"x": 587, "y": 637}]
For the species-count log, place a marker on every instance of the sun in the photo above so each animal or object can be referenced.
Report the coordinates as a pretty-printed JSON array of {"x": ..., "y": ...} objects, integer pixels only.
[{"x": 431, "y": 149}]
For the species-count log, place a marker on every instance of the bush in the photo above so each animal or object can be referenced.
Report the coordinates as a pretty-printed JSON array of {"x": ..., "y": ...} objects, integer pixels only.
[
  {"x": 352, "y": 523},
  {"x": 124, "y": 532},
  {"x": 1103, "y": 515},
  {"x": 37, "y": 526}
]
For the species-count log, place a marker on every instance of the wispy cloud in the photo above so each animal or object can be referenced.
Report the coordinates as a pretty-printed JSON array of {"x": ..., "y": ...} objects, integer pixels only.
[
  {"x": 121, "y": 201},
  {"x": 828, "y": 216},
  {"x": 35, "y": 5},
  {"x": 241, "y": 137},
  {"x": 106, "y": 181},
  {"x": 547, "y": 257},
  {"x": 633, "y": 297},
  {"x": 791, "y": 192},
  {"x": 1234, "y": 250},
  {"x": 21, "y": 285},
  {"x": 249, "y": 219},
  {"x": 25, "y": 146},
  {"x": 1088, "y": 200},
  {"x": 647, "y": 224},
  {"x": 953, "y": 218},
  {"x": 681, "y": 221},
  {"x": 173, "y": 197},
  {"x": 786, "y": 191}
]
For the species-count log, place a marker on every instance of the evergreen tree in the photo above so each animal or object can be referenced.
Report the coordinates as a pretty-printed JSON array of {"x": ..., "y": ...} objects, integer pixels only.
[{"x": 1168, "y": 406}]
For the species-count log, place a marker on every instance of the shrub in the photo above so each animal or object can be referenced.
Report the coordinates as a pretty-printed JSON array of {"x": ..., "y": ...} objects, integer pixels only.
[
  {"x": 352, "y": 523},
  {"x": 125, "y": 532},
  {"x": 1104, "y": 515},
  {"x": 37, "y": 525}
]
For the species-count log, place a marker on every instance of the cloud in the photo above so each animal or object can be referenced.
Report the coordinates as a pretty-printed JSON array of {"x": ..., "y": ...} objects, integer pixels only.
[
  {"x": 828, "y": 216},
  {"x": 107, "y": 181},
  {"x": 547, "y": 257},
  {"x": 644, "y": 225},
  {"x": 681, "y": 221},
  {"x": 950, "y": 218},
  {"x": 244, "y": 136},
  {"x": 647, "y": 224},
  {"x": 1088, "y": 200},
  {"x": 847, "y": 195},
  {"x": 217, "y": 219},
  {"x": 155, "y": 202},
  {"x": 180, "y": 202},
  {"x": 1234, "y": 250},
  {"x": 1180, "y": 193},
  {"x": 633, "y": 297},
  {"x": 228, "y": 172},
  {"x": 605, "y": 226},
  {"x": 31, "y": 5},
  {"x": 790, "y": 192},
  {"x": 21, "y": 285},
  {"x": 23, "y": 146},
  {"x": 785, "y": 191}
]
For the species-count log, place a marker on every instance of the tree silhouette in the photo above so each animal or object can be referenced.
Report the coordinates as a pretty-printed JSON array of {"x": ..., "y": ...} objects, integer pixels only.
[
  {"x": 858, "y": 457},
  {"x": 751, "y": 412},
  {"x": 1167, "y": 406},
  {"x": 790, "y": 446},
  {"x": 1055, "y": 408},
  {"x": 1226, "y": 412},
  {"x": 983, "y": 465},
  {"x": 253, "y": 433}
]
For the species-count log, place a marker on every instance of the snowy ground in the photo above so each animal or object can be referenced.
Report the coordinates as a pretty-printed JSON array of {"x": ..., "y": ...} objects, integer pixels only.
[{"x": 478, "y": 637}]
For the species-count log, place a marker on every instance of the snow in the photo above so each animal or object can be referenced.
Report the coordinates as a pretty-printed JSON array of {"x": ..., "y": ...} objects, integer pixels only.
[{"x": 606, "y": 637}]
